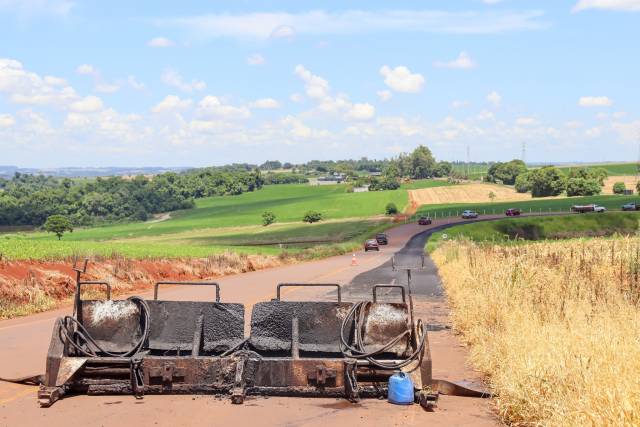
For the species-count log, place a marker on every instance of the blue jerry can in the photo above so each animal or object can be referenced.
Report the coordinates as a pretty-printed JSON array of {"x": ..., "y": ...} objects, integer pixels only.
[{"x": 400, "y": 389}]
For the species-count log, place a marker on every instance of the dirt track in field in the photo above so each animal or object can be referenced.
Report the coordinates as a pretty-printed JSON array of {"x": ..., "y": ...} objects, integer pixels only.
[{"x": 24, "y": 342}]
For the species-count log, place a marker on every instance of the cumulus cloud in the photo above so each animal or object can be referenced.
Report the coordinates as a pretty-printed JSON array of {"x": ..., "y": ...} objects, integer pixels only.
[
  {"x": 86, "y": 69},
  {"x": 26, "y": 87},
  {"x": 37, "y": 7},
  {"x": 107, "y": 87},
  {"x": 171, "y": 103},
  {"x": 6, "y": 120},
  {"x": 135, "y": 84},
  {"x": 55, "y": 81},
  {"x": 618, "y": 5},
  {"x": 213, "y": 106},
  {"x": 173, "y": 78},
  {"x": 89, "y": 104},
  {"x": 494, "y": 98},
  {"x": 265, "y": 103},
  {"x": 462, "y": 62},
  {"x": 361, "y": 112},
  {"x": 315, "y": 86},
  {"x": 295, "y": 97},
  {"x": 401, "y": 79},
  {"x": 526, "y": 121},
  {"x": 384, "y": 95},
  {"x": 460, "y": 104},
  {"x": 160, "y": 42},
  {"x": 595, "y": 101},
  {"x": 256, "y": 59},
  {"x": 269, "y": 25}
]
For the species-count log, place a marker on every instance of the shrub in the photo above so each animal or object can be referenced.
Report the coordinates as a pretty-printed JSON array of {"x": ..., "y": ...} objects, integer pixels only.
[
  {"x": 547, "y": 181},
  {"x": 58, "y": 224},
  {"x": 583, "y": 187},
  {"x": 522, "y": 183},
  {"x": 312, "y": 216},
  {"x": 268, "y": 218},
  {"x": 391, "y": 209},
  {"x": 619, "y": 187}
]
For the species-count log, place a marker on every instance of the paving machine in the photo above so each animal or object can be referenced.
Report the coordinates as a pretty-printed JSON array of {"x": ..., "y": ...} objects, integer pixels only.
[{"x": 294, "y": 348}]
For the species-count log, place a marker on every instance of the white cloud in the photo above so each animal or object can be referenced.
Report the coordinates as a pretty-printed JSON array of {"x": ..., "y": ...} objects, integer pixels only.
[
  {"x": 135, "y": 83},
  {"x": 265, "y": 103},
  {"x": 526, "y": 121},
  {"x": 296, "y": 127},
  {"x": 256, "y": 59},
  {"x": 401, "y": 79},
  {"x": 494, "y": 98},
  {"x": 361, "y": 112},
  {"x": 6, "y": 120},
  {"x": 89, "y": 104},
  {"x": 459, "y": 104},
  {"x": 107, "y": 87},
  {"x": 574, "y": 124},
  {"x": 25, "y": 87},
  {"x": 384, "y": 95},
  {"x": 266, "y": 25},
  {"x": 171, "y": 103},
  {"x": 37, "y": 7},
  {"x": 619, "y": 5},
  {"x": 485, "y": 115},
  {"x": 295, "y": 97},
  {"x": 462, "y": 62},
  {"x": 595, "y": 101},
  {"x": 315, "y": 86},
  {"x": 593, "y": 132},
  {"x": 173, "y": 78},
  {"x": 213, "y": 106},
  {"x": 86, "y": 69},
  {"x": 160, "y": 42},
  {"x": 55, "y": 81}
]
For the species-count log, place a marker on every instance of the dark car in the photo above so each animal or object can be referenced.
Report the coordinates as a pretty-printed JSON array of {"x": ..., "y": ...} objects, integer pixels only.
[
  {"x": 513, "y": 212},
  {"x": 424, "y": 220},
  {"x": 371, "y": 245},
  {"x": 382, "y": 239}
]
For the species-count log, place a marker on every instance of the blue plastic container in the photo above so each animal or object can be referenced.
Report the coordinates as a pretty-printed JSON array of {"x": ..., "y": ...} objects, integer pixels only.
[{"x": 400, "y": 389}]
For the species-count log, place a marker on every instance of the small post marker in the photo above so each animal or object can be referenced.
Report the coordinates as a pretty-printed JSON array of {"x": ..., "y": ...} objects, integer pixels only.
[{"x": 354, "y": 261}]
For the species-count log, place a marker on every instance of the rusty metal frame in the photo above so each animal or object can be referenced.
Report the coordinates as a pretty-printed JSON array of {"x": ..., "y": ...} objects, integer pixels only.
[
  {"x": 307, "y": 285},
  {"x": 376, "y": 287}
]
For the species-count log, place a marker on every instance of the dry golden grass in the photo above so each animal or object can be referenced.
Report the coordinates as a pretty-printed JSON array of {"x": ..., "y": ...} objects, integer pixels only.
[
  {"x": 465, "y": 193},
  {"x": 629, "y": 182},
  {"x": 555, "y": 326}
]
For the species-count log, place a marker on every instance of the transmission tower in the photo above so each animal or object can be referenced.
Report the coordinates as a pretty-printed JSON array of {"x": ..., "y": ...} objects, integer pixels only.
[
  {"x": 524, "y": 152},
  {"x": 469, "y": 161}
]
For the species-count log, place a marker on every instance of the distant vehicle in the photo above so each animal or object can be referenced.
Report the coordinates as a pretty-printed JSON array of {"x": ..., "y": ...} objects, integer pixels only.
[
  {"x": 512, "y": 212},
  {"x": 469, "y": 214},
  {"x": 382, "y": 239},
  {"x": 588, "y": 208},
  {"x": 424, "y": 220},
  {"x": 371, "y": 245},
  {"x": 631, "y": 206}
]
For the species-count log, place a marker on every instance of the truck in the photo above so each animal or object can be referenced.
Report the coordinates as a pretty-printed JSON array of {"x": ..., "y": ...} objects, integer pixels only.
[
  {"x": 588, "y": 208},
  {"x": 631, "y": 206}
]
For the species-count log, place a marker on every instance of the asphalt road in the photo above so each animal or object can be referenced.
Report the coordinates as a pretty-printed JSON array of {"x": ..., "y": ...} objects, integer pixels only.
[{"x": 24, "y": 342}]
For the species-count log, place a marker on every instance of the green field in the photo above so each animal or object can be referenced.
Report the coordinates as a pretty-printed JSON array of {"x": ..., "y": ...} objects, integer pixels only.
[
  {"x": 424, "y": 183},
  {"x": 534, "y": 205},
  {"x": 540, "y": 228},
  {"x": 611, "y": 168}
]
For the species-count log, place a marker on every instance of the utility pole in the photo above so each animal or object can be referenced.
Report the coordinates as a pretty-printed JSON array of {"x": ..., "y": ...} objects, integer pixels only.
[
  {"x": 468, "y": 161},
  {"x": 524, "y": 152}
]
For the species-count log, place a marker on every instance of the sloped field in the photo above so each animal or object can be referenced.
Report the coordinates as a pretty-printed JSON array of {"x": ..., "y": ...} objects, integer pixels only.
[{"x": 465, "y": 193}]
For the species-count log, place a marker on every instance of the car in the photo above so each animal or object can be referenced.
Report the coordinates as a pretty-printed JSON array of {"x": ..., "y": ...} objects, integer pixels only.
[
  {"x": 469, "y": 214},
  {"x": 382, "y": 239},
  {"x": 588, "y": 208},
  {"x": 599, "y": 209},
  {"x": 371, "y": 245},
  {"x": 631, "y": 206},
  {"x": 424, "y": 220},
  {"x": 512, "y": 212}
]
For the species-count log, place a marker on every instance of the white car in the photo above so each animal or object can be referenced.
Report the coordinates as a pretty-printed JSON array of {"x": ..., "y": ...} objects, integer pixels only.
[
  {"x": 600, "y": 209},
  {"x": 469, "y": 214}
]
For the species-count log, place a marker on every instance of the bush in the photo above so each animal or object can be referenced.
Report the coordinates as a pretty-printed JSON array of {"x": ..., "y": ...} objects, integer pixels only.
[
  {"x": 619, "y": 187},
  {"x": 522, "y": 183},
  {"x": 547, "y": 181},
  {"x": 583, "y": 187},
  {"x": 384, "y": 184},
  {"x": 268, "y": 218},
  {"x": 312, "y": 216},
  {"x": 391, "y": 209}
]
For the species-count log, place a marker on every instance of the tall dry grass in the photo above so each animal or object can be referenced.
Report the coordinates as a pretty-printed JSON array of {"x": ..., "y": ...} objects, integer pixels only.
[{"x": 555, "y": 326}]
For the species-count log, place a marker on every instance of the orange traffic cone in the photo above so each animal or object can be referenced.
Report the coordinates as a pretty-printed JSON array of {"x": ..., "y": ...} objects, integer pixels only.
[{"x": 354, "y": 261}]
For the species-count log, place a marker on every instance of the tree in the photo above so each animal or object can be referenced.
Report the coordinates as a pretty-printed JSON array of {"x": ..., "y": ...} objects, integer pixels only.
[
  {"x": 391, "y": 209},
  {"x": 547, "y": 181},
  {"x": 312, "y": 216},
  {"x": 58, "y": 224},
  {"x": 268, "y": 218},
  {"x": 506, "y": 173},
  {"x": 422, "y": 163},
  {"x": 522, "y": 184},
  {"x": 443, "y": 169},
  {"x": 619, "y": 188},
  {"x": 583, "y": 187},
  {"x": 492, "y": 196}
]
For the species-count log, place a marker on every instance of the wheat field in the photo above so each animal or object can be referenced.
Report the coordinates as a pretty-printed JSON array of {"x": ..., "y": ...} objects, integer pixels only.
[
  {"x": 554, "y": 326},
  {"x": 465, "y": 193}
]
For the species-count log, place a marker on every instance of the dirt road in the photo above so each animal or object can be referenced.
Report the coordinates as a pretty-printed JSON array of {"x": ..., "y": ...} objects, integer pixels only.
[{"x": 24, "y": 343}]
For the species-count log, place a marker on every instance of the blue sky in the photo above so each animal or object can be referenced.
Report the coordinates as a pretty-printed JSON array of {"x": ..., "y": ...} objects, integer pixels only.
[{"x": 200, "y": 83}]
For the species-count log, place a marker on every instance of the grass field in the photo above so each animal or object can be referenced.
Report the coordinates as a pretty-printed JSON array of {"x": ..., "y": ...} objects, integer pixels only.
[
  {"x": 611, "y": 168},
  {"x": 425, "y": 183},
  {"x": 552, "y": 325},
  {"x": 533, "y": 205}
]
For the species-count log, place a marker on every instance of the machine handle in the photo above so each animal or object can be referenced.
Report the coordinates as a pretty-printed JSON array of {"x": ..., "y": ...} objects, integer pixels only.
[
  {"x": 89, "y": 282},
  {"x": 282, "y": 285},
  {"x": 376, "y": 287},
  {"x": 157, "y": 285}
]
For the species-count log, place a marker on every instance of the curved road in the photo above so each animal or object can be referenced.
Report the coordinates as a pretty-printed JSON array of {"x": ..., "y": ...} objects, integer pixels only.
[{"x": 24, "y": 342}]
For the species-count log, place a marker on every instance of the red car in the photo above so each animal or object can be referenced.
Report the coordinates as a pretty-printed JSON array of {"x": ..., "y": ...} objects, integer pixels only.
[
  {"x": 513, "y": 212},
  {"x": 371, "y": 245},
  {"x": 424, "y": 220}
]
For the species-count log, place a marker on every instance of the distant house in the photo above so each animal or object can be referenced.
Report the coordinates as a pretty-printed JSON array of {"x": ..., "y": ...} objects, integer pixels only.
[
  {"x": 334, "y": 178},
  {"x": 375, "y": 173}
]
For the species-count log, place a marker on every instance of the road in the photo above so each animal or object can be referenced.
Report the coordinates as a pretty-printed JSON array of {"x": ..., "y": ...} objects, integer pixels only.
[{"x": 24, "y": 342}]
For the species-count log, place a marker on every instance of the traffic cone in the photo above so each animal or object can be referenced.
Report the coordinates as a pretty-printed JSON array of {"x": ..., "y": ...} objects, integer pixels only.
[{"x": 354, "y": 261}]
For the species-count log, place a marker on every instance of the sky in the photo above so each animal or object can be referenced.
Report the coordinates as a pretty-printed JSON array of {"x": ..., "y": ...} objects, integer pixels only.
[{"x": 198, "y": 83}]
